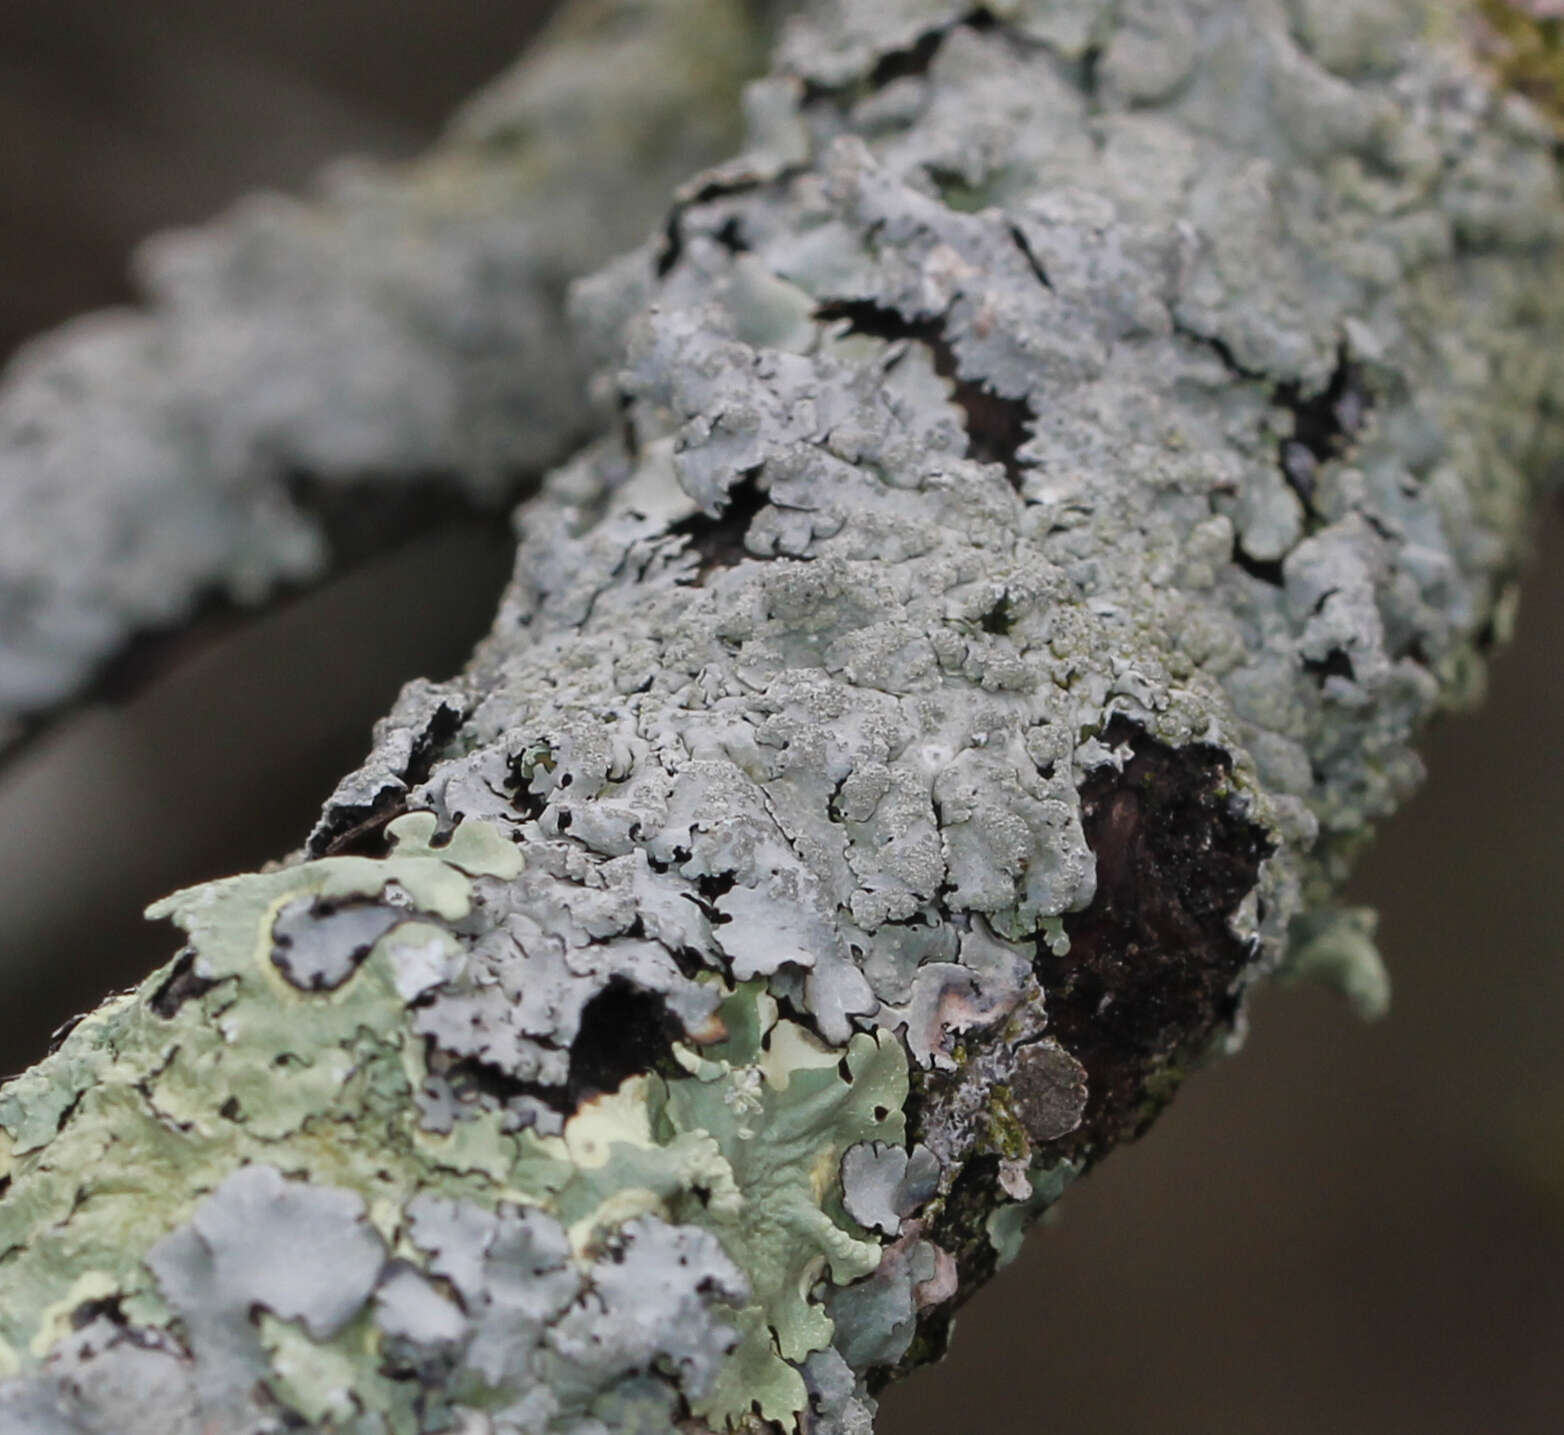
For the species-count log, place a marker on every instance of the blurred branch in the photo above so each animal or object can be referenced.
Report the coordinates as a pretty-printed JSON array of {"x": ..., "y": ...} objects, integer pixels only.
[{"x": 311, "y": 380}]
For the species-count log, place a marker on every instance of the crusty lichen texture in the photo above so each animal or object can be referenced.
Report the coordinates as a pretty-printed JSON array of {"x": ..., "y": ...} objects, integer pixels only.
[{"x": 1049, "y": 477}]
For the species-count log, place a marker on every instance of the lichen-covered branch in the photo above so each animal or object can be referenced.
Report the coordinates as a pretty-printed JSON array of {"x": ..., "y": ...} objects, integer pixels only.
[
  {"x": 311, "y": 378},
  {"x": 1048, "y": 479}
]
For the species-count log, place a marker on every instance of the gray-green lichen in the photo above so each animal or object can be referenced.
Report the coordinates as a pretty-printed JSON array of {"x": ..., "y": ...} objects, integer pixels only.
[
  {"x": 1052, "y": 473},
  {"x": 485, "y": 1258},
  {"x": 400, "y": 333}
]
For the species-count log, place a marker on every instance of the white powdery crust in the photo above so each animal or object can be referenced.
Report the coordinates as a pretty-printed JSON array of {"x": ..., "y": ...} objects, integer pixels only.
[{"x": 1056, "y": 470}]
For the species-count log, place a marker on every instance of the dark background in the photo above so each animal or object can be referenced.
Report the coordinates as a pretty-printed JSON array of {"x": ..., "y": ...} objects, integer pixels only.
[{"x": 1344, "y": 1229}]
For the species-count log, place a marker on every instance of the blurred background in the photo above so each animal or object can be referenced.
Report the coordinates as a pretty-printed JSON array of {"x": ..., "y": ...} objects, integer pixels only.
[{"x": 1346, "y": 1229}]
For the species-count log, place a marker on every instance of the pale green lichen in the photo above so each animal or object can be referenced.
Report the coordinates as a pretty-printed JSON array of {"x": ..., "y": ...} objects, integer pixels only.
[
  {"x": 784, "y": 1109},
  {"x": 142, "y": 1110},
  {"x": 746, "y": 1144},
  {"x": 1007, "y": 1223},
  {"x": 1335, "y": 946}
]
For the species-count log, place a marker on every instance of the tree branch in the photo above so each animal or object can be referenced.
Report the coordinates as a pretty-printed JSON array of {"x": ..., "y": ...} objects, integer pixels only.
[{"x": 1047, "y": 481}]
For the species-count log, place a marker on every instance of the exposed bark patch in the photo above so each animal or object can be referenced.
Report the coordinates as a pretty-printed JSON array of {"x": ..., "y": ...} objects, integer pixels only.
[
  {"x": 471, "y": 1079},
  {"x": 711, "y": 886},
  {"x": 359, "y": 831},
  {"x": 624, "y": 1031},
  {"x": 1267, "y": 570},
  {"x": 1091, "y": 72},
  {"x": 1030, "y": 255},
  {"x": 1324, "y": 426},
  {"x": 672, "y": 249},
  {"x": 1001, "y": 618},
  {"x": 365, "y": 837},
  {"x": 909, "y": 62},
  {"x": 1335, "y": 664},
  {"x": 731, "y": 236},
  {"x": 107, "y": 1309},
  {"x": 1149, "y": 977},
  {"x": 520, "y": 769},
  {"x": 996, "y": 427},
  {"x": 961, "y": 1225},
  {"x": 719, "y": 540},
  {"x": 182, "y": 984}
]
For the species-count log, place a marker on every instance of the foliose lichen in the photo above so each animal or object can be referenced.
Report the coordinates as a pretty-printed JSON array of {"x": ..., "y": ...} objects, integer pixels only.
[
  {"x": 1049, "y": 478},
  {"x": 710, "y": 1193}
]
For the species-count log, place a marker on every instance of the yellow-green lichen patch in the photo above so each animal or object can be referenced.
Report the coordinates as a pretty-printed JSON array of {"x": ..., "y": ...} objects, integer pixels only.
[
  {"x": 336, "y": 1382},
  {"x": 783, "y": 1110},
  {"x": 748, "y": 1146},
  {"x": 153, "y": 1099},
  {"x": 743, "y": 1153},
  {"x": 199, "y": 1160}
]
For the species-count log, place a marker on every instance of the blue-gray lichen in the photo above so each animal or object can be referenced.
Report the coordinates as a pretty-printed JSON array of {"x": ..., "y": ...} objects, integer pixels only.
[{"x": 1051, "y": 476}]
